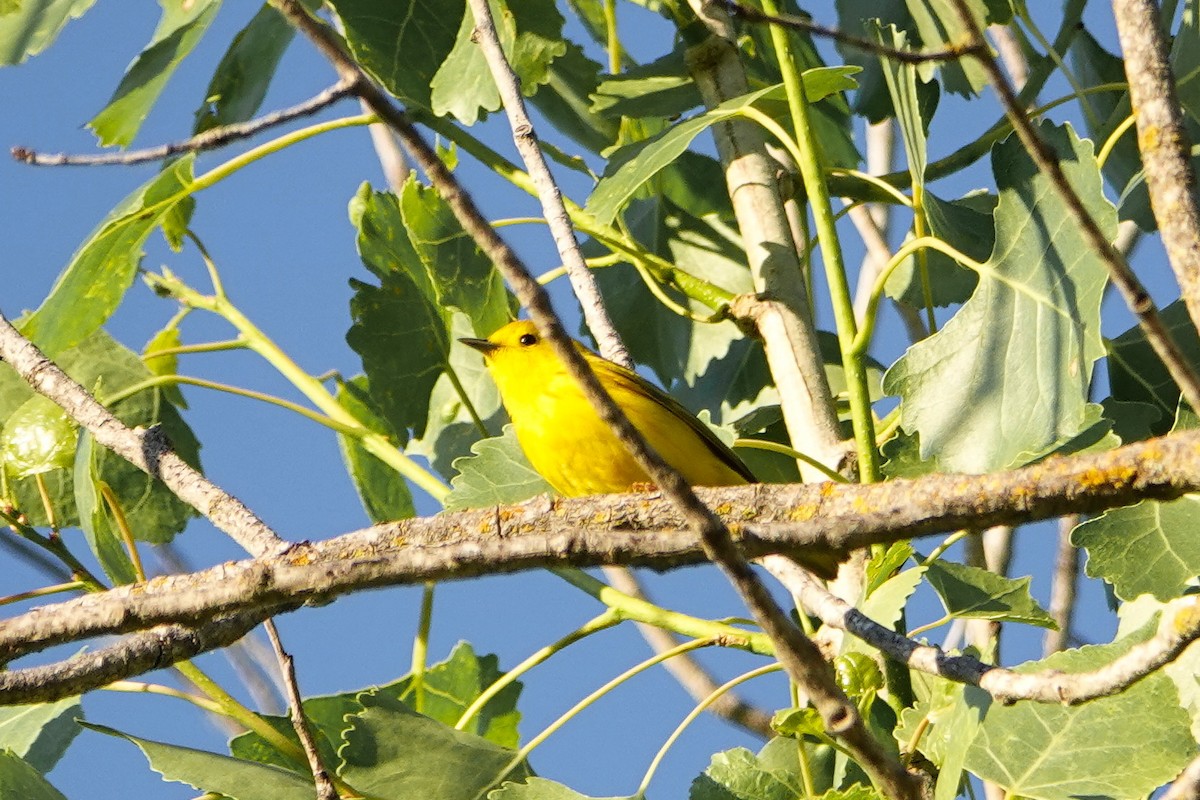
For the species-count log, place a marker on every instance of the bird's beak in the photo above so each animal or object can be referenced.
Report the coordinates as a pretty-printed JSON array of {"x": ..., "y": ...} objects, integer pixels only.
[{"x": 482, "y": 345}]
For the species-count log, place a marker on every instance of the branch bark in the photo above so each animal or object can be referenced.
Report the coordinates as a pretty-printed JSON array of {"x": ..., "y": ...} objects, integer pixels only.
[
  {"x": 1163, "y": 141},
  {"x": 769, "y": 519}
]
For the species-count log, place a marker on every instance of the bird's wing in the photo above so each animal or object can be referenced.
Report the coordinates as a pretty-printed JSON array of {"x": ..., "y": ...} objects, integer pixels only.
[{"x": 632, "y": 382}]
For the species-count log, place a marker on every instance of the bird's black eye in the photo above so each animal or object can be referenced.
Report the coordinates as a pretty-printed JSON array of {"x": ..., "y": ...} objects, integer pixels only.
[{"x": 527, "y": 339}]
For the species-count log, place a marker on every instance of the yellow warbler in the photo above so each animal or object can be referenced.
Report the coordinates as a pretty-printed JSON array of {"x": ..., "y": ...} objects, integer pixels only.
[
  {"x": 576, "y": 452},
  {"x": 566, "y": 441}
]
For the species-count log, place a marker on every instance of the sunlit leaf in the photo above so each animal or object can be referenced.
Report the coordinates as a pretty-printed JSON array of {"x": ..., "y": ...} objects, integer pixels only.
[
  {"x": 975, "y": 593},
  {"x": 39, "y": 733},
  {"x": 496, "y": 474},
  {"x": 19, "y": 779},
  {"x": 1037, "y": 304},
  {"x": 103, "y": 268},
  {"x": 33, "y": 26},
  {"x": 180, "y": 29}
]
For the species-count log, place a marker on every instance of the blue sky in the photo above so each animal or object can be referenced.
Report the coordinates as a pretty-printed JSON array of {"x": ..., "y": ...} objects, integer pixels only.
[{"x": 280, "y": 233}]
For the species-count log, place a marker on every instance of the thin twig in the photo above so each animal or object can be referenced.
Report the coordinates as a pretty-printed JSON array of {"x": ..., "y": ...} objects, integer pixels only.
[
  {"x": 148, "y": 450},
  {"x": 1178, "y": 628},
  {"x": 287, "y": 666},
  {"x": 1123, "y": 277},
  {"x": 583, "y": 282},
  {"x": 209, "y": 140},
  {"x": 1062, "y": 589},
  {"x": 751, "y": 14},
  {"x": 1163, "y": 141}
]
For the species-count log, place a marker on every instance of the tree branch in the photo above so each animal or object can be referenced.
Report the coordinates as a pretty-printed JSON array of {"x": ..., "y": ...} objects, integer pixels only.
[
  {"x": 209, "y": 140},
  {"x": 1163, "y": 141},
  {"x": 1178, "y": 628},
  {"x": 583, "y": 283},
  {"x": 148, "y": 450},
  {"x": 137, "y": 654},
  {"x": 287, "y": 667},
  {"x": 769, "y": 518}
]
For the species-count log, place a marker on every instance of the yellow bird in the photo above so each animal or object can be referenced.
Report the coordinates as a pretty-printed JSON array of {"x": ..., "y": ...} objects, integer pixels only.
[
  {"x": 576, "y": 452},
  {"x": 566, "y": 441}
]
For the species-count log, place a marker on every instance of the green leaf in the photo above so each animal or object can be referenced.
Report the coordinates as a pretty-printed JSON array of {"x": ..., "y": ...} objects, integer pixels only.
[
  {"x": 240, "y": 82},
  {"x": 403, "y": 44},
  {"x": 102, "y": 536},
  {"x": 885, "y": 605},
  {"x": 391, "y": 751},
  {"x": 39, "y": 733},
  {"x": 451, "y": 430},
  {"x": 383, "y": 491},
  {"x": 497, "y": 474},
  {"x": 739, "y": 775},
  {"x": 212, "y": 772},
  {"x": 1037, "y": 304},
  {"x": 1136, "y": 373},
  {"x": 98, "y": 275},
  {"x": 653, "y": 155},
  {"x": 1182, "y": 671},
  {"x": 951, "y": 727},
  {"x": 1052, "y": 752},
  {"x": 530, "y": 33},
  {"x": 662, "y": 88},
  {"x": 975, "y": 593},
  {"x": 541, "y": 789},
  {"x": 1147, "y": 548},
  {"x": 447, "y": 689},
  {"x": 881, "y": 568},
  {"x": 167, "y": 364},
  {"x": 37, "y": 438},
  {"x": 564, "y": 100},
  {"x": 180, "y": 29},
  {"x": 459, "y": 274},
  {"x": 18, "y": 779},
  {"x": 34, "y": 25},
  {"x": 905, "y": 90}
]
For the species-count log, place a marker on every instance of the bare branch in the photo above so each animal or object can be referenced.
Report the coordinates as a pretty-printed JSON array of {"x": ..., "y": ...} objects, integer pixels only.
[
  {"x": 148, "y": 450},
  {"x": 137, "y": 654},
  {"x": 1178, "y": 628},
  {"x": 287, "y": 666},
  {"x": 1163, "y": 141},
  {"x": 1062, "y": 589},
  {"x": 1123, "y": 277},
  {"x": 583, "y": 283},
  {"x": 769, "y": 519},
  {"x": 209, "y": 140}
]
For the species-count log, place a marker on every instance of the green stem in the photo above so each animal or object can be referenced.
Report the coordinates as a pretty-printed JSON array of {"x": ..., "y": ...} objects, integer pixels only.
[
  {"x": 231, "y": 708},
  {"x": 694, "y": 714},
  {"x": 374, "y": 443},
  {"x": 813, "y": 173},
  {"x": 163, "y": 380},
  {"x": 574, "y": 710},
  {"x": 632, "y": 608},
  {"x": 137, "y": 687},
  {"x": 602, "y": 622},
  {"x": 935, "y": 624},
  {"x": 949, "y": 542},
  {"x": 783, "y": 449},
  {"x": 32, "y": 594},
  {"x": 203, "y": 347},
  {"x": 420, "y": 649},
  {"x": 114, "y": 505},
  {"x": 862, "y": 341}
]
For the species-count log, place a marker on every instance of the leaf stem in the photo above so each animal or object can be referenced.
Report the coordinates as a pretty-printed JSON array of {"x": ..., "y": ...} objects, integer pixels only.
[
  {"x": 601, "y": 622},
  {"x": 783, "y": 449}
]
